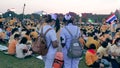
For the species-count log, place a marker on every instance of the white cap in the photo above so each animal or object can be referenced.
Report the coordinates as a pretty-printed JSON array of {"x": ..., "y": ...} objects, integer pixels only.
[
  {"x": 67, "y": 16},
  {"x": 54, "y": 16}
]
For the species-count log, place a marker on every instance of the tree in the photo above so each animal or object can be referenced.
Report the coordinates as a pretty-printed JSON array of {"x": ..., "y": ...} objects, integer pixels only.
[
  {"x": 9, "y": 14},
  {"x": 35, "y": 16}
]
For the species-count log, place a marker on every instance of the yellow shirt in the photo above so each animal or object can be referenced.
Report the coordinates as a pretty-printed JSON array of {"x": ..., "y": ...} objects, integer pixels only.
[
  {"x": 90, "y": 57},
  {"x": 92, "y": 41},
  {"x": 34, "y": 34},
  {"x": 12, "y": 22},
  {"x": 12, "y": 47},
  {"x": 104, "y": 28}
]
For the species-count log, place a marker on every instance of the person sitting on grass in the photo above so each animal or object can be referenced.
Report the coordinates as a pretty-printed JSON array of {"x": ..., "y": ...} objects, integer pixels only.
[
  {"x": 12, "y": 45},
  {"x": 33, "y": 35},
  {"x": 13, "y": 32},
  {"x": 22, "y": 50},
  {"x": 92, "y": 40},
  {"x": 115, "y": 53},
  {"x": 103, "y": 50},
  {"x": 92, "y": 58},
  {"x": 2, "y": 36},
  {"x": 27, "y": 35}
]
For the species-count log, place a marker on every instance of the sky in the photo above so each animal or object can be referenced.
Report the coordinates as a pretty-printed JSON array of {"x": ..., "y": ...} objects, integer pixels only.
[{"x": 61, "y": 6}]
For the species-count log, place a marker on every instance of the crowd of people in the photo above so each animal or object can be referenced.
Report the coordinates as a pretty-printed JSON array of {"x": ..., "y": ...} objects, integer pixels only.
[{"x": 101, "y": 43}]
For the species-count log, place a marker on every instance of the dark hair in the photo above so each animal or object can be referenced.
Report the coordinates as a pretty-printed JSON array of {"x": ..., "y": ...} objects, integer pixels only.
[
  {"x": 70, "y": 21},
  {"x": 48, "y": 19},
  {"x": 115, "y": 20},
  {"x": 23, "y": 40},
  {"x": 118, "y": 29},
  {"x": 92, "y": 46},
  {"x": 64, "y": 20},
  {"x": 109, "y": 40},
  {"x": 23, "y": 30},
  {"x": 33, "y": 30},
  {"x": 14, "y": 30},
  {"x": 107, "y": 32},
  {"x": 95, "y": 37},
  {"x": 117, "y": 40},
  {"x": 57, "y": 25},
  {"x": 90, "y": 34},
  {"x": 28, "y": 32},
  {"x": 16, "y": 36},
  {"x": 104, "y": 44},
  {"x": 102, "y": 34},
  {"x": 12, "y": 18}
]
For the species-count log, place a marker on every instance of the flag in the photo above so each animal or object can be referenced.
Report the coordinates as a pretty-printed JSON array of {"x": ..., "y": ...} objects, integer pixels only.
[{"x": 111, "y": 18}]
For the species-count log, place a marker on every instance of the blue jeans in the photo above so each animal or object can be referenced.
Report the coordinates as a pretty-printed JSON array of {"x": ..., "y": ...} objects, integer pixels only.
[{"x": 113, "y": 34}]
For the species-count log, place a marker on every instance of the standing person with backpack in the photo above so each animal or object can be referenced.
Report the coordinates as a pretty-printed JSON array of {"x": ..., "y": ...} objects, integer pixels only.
[
  {"x": 51, "y": 41},
  {"x": 68, "y": 37}
]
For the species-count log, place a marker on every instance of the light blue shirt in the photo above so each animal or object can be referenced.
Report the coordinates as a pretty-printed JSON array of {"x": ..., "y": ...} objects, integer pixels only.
[
  {"x": 69, "y": 62},
  {"x": 66, "y": 36},
  {"x": 50, "y": 36}
]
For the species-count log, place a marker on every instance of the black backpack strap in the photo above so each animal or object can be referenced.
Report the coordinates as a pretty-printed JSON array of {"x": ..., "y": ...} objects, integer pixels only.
[{"x": 42, "y": 30}]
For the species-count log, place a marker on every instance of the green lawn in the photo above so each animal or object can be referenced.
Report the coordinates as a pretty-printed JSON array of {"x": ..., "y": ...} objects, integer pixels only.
[{"x": 7, "y": 61}]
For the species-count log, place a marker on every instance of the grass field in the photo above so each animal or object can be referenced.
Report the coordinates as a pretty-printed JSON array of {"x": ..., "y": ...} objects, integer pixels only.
[{"x": 7, "y": 61}]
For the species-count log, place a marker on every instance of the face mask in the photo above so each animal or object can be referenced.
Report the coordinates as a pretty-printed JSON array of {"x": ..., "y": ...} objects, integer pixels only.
[
  {"x": 118, "y": 44},
  {"x": 53, "y": 26}
]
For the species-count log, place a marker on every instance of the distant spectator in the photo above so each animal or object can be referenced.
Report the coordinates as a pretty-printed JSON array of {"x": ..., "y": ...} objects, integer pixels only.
[
  {"x": 1, "y": 22},
  {"x": 22, "y": 50},
  {"x": 103, "y": 50},
  {"x": 115, "y": 52},
  {"x": 13, "y": 32},
  {"x": 27, "y": 35},
  {"x": 91, "y": 57},
  {"x": 12, "y": 45},
  {"x": 91, "y": 40},
  {"x": 33, "y": 35}
]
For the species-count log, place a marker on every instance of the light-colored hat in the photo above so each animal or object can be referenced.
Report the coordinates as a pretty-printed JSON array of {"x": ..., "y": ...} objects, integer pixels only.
[
  {"x": 54, "y": 16},
  {"x": 67, "y": 16}
]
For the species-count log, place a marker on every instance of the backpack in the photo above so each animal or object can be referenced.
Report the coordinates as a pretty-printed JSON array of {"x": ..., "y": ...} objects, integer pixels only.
[
  {"x": 58, "y": 61},
  {"x": 40, "y": 44},
  {"x": 75, "y": 50}
]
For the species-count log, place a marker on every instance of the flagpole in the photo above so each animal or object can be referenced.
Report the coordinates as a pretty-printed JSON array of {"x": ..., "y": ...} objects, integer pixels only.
[
  {"x": 23, "y": 24},
  {"x": 24, "y": 10}
]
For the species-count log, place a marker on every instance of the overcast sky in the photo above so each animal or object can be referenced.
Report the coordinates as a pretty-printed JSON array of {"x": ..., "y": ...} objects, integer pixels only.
[{"x": 61, "y": 6}]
